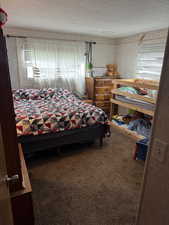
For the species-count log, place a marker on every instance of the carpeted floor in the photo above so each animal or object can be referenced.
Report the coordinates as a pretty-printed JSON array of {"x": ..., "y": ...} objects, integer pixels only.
[{"x": 87, "y": 185}]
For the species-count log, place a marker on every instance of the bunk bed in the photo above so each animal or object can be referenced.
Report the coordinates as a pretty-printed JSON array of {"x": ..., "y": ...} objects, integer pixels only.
[{"x": 136, "y": 102}]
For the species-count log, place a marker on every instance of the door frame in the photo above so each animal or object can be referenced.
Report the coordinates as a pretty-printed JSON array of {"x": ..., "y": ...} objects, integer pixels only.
[
  {"x": 7, "y": 119},
  {"x": 6, "y": 217},
  {"x": 151, "y": 149}
]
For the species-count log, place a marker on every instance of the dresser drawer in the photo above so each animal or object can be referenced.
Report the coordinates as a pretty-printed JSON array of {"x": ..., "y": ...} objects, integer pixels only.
[
  {"x": 99, "y": 89},
  {"x": 103, "y": 90},
  {"x": 108, "y": 82},
  {"x": 102, "y": 97},
  {"x": 103, "y": 82}
]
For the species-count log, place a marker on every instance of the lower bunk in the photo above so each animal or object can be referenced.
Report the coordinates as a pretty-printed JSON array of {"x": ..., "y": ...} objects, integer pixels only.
[
  {"x": 136, "y": 126},
  {"x": 36, "y": 143}
]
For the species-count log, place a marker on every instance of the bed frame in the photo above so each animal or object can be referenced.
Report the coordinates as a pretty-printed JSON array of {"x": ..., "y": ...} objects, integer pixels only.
[{"x": 33, "y": 144}]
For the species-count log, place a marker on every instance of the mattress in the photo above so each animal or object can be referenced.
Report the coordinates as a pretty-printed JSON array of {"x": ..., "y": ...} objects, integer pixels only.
[
  {"x": 52, "y": 110},
  {"x": 145, "y": 105}
]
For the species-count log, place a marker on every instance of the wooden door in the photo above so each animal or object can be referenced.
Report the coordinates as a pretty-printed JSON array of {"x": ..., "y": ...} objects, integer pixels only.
[
  {"x": 7, "y": 119},
  {"x": 6, "y": 217},
  {"x": 154, "y": 204}
]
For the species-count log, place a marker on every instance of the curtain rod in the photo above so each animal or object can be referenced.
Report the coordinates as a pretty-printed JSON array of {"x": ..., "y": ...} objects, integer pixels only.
[{"x": 14, "y": 36}]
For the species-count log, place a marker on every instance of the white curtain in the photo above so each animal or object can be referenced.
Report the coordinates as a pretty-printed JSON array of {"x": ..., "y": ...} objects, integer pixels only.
[
  {"x": 51, "y": 63},
  {"x": 150, "y": 59}
]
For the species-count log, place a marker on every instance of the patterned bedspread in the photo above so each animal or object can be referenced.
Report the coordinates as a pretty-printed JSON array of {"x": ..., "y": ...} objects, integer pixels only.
[{"x": 52, "y": 110}]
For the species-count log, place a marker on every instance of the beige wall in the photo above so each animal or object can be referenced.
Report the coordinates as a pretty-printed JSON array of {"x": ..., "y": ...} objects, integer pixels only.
[{"x": 126, "y": 58}]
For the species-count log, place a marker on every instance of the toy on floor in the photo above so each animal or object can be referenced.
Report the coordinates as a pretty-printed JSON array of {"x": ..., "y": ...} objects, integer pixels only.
[{"x": 141, "y": 149}]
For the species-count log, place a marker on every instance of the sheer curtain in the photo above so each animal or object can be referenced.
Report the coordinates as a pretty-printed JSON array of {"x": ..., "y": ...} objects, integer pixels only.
[{"x": 51, "y": 63}]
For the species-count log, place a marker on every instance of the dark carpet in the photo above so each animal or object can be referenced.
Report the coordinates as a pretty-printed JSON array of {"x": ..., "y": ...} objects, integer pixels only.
[{"x": 87, "y": 185}]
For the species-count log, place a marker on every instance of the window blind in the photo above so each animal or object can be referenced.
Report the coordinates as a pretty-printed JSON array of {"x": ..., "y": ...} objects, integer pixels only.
[{"x": 150, "y": 59}]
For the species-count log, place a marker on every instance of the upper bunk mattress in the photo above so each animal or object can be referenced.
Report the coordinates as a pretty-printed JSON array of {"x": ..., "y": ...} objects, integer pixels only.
[
  {"x": 136, "y": 102},
  {"x": 52, "y": 110}
]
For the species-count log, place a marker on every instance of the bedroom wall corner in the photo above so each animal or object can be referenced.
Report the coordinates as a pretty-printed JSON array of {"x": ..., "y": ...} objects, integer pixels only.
[
  {"x": 103, "y": 53},
  {"x": 126, "y": 57}
]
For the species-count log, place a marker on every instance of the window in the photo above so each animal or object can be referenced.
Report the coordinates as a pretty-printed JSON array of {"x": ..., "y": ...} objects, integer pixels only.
[
  {"x": 150, "y": 59},
  {"x": 55, "y": 61},
  {"x": 52, "y": 63}
]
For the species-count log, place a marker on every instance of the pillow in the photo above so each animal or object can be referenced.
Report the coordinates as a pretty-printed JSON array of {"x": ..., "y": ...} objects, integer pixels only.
[
  {"x": 62, "y": 93},
  {"x": 130, "y": 90},
  {"x": 19, "y": 94},
  {"x": 33, "y": 94},
  {"x": 44, "y": 93}
]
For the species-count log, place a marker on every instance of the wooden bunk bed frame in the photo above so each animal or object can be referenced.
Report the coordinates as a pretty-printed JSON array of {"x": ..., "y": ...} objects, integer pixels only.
[{"x": 114, "y": 103}]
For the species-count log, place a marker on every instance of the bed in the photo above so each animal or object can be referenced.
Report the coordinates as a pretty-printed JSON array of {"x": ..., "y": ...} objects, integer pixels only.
[{"x": 50, "y": 118}]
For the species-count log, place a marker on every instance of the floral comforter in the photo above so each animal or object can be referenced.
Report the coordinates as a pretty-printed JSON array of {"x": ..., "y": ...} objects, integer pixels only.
[{"x": 52, "y": 110}]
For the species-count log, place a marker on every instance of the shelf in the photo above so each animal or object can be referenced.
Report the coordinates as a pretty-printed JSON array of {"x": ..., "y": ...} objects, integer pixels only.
[
  {"x": 131, "y": 134},
  {"x": 132, "y": 106},
  {"x": 139, "y": 83},
  {"x": 135, "y": 96}
]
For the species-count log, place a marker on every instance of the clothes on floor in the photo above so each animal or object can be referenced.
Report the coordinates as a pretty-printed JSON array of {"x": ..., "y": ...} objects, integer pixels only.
[
  {"x": 141, "y": 126},
  {"x": 140, "y": 123}
]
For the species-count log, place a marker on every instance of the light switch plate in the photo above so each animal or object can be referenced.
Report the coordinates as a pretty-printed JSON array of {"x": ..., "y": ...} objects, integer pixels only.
[{"x": 159, "y": 150}]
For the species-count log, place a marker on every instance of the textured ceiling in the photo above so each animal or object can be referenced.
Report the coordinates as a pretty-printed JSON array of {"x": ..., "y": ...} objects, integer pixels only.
[{"x": 109, "y": 18}]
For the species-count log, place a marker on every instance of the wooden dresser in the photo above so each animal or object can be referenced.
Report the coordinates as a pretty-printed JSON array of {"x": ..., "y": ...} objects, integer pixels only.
[{"x": 99, "y": 90}]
